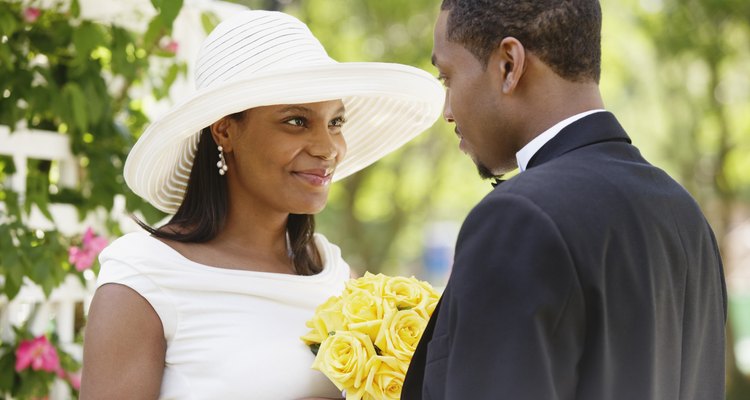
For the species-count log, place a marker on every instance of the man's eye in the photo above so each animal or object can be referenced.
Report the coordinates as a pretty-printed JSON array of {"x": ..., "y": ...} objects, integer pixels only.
[
  {"x": 443, "y": 79},
  {"x": 296, "y": 121}
]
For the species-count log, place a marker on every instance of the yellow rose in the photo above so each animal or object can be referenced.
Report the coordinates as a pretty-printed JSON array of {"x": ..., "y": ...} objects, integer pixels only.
[
  {"x": 362, "y": 311},
  {"x": 346, "y": 358},
  {"x": 387, "y": 380},
  {"x": 400, "y": 334},
  {"x": 327, "y": 318},
  {"x": 403, "y": 293},
  {"x": 429, "y": 301},
  {"x": 377, "y": 324},
  {"x": 370, "y": 283}
]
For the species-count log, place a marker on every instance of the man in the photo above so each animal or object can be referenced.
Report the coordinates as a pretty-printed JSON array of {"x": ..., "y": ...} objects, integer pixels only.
[{"x": 589, "y": 275}]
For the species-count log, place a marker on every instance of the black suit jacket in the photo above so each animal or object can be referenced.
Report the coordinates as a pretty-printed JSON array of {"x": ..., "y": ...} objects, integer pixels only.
[{"x": 591, "y": 275}]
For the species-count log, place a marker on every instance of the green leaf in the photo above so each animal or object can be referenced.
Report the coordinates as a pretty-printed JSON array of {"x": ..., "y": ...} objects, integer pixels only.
[
  {"x": 34, "y": 383},
  {"x": 76, "y": 103},
  {"x": 172, "y": 73},
  {"x": 67, "y": 361},
  {"x": 86, "y": 38},
  {"x": 153, "y": 32},
  {"x": 12, "y": 203},
  {"x": 121, "y": 65},
  {"x": 7, "y": 58},
  {"x": 93, "y": 100},
  {"x": 209, "y": 21},
  {"x": 7, "y": 371},
  {"x": 75, "y": 8},
  {"x": 7, "y": 166},
  {"x": 13, "y": 280},
  {"x": 168, "y": 11},
  {"x": 8, "y": 23}
]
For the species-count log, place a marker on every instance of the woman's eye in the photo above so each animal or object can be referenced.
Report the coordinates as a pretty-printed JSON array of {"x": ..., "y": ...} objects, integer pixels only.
[
  {"x": 337, "y": 122},
  {"x": 297, "y": 121}
]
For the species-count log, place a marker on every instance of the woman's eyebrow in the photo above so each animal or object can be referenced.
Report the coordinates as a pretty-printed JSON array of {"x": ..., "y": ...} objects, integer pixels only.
[
  {"x": 295, "y": 108},
  {"x": 305, "y": 110}
]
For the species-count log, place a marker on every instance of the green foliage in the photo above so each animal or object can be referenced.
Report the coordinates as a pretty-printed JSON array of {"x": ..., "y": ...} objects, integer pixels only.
[
  {"x": 701, "y": 60},
  {"x": 61, "y": 73},
  {"x": 65, "y": 74}
]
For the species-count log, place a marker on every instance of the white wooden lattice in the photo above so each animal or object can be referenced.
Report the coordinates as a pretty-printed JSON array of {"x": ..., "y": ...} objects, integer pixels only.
[{"x": 58, "y": 311}]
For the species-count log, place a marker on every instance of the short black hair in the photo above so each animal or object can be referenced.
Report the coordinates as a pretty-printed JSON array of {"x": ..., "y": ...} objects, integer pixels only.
[{"x": 564, "y": 34}]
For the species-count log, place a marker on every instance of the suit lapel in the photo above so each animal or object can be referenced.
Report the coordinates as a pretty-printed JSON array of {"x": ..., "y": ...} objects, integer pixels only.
[{"x": 591, "y": 129}]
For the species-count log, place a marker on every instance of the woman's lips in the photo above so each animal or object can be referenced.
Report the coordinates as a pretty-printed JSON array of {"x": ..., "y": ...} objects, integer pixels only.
[{"x": 315, "y": 177}]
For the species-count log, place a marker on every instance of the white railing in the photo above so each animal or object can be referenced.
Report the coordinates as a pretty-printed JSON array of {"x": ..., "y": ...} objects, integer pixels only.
[{"x": 58, "y": 311}]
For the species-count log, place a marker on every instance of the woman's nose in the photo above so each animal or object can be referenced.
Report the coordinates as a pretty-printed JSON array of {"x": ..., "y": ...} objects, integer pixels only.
[{"x": 323, "y": 145}]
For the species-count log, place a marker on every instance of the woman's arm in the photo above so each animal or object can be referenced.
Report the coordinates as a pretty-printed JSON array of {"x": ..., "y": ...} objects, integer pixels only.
[{"x": 124, "y": 347}]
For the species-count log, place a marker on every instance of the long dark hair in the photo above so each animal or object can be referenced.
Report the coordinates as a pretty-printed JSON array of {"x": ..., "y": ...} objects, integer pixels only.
[{"x": 203, "y": 211}]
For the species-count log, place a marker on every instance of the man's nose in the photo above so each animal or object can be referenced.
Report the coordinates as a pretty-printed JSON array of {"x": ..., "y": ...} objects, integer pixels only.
[{"x": 447, "y": 111}]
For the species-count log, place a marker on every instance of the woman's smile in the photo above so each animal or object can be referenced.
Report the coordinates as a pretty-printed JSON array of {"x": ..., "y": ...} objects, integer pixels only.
[{"x": 320, "y": 177}]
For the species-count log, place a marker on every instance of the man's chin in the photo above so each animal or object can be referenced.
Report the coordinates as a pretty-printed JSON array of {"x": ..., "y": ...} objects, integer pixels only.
[{"x": 484, "y": 171}]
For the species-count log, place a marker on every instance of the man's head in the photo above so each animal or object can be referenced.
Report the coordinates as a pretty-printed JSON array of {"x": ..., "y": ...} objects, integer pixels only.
[
  {"x": 513, "y": 68},
  {"x": 565, "y": 35}
]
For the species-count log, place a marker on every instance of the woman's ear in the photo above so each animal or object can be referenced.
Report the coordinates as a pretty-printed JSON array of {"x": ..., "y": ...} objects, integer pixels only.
[
  {"x": 510, "y": 60},
  {"x": 220, "y": 133}
]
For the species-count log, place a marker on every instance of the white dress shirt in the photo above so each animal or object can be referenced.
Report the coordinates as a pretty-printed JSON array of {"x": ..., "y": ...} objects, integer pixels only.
[{"x": 524, "y": 155}]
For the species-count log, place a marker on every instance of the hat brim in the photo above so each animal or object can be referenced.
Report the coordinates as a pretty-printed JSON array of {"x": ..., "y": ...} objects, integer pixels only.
[{"x": 386, "y": 106}]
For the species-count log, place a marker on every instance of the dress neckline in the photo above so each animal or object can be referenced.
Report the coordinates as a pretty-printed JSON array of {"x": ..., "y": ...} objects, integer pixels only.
[{"x": 323, "y": 251}]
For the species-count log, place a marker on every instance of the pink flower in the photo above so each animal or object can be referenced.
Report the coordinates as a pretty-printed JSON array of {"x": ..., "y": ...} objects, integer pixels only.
[
  {"x": 74, "y": 378},
  {"x": 31, "y": 14},
  {"x": 83, "y": 257},
  {"x": 171, "y": 46},
  {"x": 37, "y": 353}
]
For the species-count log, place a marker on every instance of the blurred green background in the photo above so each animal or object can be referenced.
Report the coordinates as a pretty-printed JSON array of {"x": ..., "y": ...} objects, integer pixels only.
[{"x": 675, "y": 72}]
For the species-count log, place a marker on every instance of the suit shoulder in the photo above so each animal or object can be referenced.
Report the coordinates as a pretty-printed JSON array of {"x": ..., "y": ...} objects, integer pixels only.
[{"x": 501, "y": 207}]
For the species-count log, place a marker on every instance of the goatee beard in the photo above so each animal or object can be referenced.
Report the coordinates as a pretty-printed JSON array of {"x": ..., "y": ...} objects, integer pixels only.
[{"x": 484, "y": 172}]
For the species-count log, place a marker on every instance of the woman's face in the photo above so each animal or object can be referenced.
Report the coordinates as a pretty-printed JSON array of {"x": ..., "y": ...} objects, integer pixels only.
[{"x": 281, "y": 158}]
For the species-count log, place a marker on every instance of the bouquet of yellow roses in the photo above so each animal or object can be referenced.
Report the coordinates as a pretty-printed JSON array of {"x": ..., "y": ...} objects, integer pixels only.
[{"x": 365, "y": 338}]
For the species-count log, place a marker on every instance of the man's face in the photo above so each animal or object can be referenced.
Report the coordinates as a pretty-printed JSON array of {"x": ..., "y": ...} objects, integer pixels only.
[{"x": 473, "y": 103}]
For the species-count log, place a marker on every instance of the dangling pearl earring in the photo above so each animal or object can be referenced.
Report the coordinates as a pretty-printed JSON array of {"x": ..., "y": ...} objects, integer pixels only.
[{"x": 222, "y": 164}]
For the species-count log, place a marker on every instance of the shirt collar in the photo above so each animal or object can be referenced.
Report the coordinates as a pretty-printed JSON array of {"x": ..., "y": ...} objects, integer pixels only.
[{"x": 524, "y": 155}]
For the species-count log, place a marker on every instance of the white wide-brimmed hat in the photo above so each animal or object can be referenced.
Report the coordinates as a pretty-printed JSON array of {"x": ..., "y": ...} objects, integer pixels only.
[{"x": 261, "y": 58}]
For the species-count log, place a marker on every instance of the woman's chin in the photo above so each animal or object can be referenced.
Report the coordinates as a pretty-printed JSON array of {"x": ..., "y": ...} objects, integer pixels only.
[{"x": 310, "y": 208}]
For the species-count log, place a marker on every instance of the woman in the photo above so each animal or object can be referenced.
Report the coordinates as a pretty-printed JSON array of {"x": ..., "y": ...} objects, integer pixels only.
[{"x": 212, "y": 305}]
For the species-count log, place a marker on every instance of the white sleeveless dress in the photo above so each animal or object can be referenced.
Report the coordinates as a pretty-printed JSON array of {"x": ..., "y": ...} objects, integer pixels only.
[{"x": 230, "y": 334}]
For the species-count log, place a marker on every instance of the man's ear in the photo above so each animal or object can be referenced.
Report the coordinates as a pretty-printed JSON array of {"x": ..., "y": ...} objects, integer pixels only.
[
  {"x": 220, "y": 133},
  {"x": 509, "y": 58}
]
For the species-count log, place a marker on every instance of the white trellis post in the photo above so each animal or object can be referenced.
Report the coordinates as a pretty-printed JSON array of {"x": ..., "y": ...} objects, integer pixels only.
[{"x": 30, "y": 303}]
